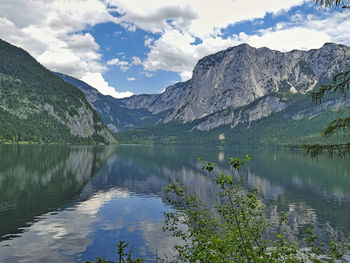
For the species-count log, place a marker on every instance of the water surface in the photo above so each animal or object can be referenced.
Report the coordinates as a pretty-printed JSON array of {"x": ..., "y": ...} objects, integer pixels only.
[{"x": 72, "y": 203}]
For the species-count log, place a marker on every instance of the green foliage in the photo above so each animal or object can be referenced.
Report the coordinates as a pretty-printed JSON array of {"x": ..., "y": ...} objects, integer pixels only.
[
  {"x": 299, "y": 123},
  {"x": 340, "y": 84},
  {"x": 114, "y": 111},
  {"x": 35, "y": 104},
  {"x": 233, "y": 230},
  {"x": 124, "y": 256},
  {"x": 278, "y": 129}
]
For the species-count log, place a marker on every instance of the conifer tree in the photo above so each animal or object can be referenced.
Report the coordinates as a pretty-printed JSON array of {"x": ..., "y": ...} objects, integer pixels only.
[{"x": 340, "y": 84}]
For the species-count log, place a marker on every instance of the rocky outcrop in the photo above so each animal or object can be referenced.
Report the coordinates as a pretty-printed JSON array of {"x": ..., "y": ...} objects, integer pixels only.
[
  {"x": 238, "y": 85},
  {"x": 156, "y": 103},
  {"x": 258, "y": 110},
  {"x": 240, "y": 75},
  {"x": 37, "y": 106}
]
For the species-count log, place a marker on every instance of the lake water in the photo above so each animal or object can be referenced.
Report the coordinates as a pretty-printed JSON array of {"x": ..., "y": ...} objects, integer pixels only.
[{"x": 73, "y": 203}]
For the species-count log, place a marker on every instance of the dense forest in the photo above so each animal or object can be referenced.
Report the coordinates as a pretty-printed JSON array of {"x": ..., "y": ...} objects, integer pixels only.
[
  {"x": 278, "y": 129},
  {"x": 37, "y": 106}
]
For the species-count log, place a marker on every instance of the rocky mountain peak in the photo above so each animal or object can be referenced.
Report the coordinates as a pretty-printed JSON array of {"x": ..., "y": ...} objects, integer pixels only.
[{"x": 238, "y": 77}]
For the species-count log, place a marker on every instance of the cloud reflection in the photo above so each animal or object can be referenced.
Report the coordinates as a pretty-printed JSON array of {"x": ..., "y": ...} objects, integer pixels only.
[{"x": 57, "y": 237}]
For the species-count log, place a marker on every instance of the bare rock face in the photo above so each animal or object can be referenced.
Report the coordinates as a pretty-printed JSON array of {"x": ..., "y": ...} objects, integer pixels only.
[
  {"x": 238, "y": 76},
  {"x": 262, "y": 108},
  {"x": 157, "y": 103},
  {"x": 81, "y": 124},
  {"x": 37, "y": 106},
  {"x": 237, "y": 85}
]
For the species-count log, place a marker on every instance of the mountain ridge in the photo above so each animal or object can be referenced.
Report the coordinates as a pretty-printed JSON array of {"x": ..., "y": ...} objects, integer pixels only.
[
  {"x": 239, "y": 85},
  {"x": 38, "y": 106}
]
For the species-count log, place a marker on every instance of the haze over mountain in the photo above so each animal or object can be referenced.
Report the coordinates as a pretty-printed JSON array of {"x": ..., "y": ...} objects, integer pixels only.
[
  {"x": 234, "y": 87},
  {"x": 36, "y": 105}
]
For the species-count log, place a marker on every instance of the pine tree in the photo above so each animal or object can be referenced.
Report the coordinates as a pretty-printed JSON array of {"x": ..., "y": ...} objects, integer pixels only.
[
  {"x": 333, "y": 3},
  {"x": 340, "y": 84}
]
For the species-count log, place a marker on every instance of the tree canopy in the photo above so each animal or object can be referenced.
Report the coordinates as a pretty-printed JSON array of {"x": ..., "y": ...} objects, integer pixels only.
[
  {"x": 333, "y": 3},
  {"x": 340, "y": 84}
]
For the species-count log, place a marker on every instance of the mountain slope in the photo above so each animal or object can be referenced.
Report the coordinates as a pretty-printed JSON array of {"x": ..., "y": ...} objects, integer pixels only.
[
  {"x": 113, "y": 111},
  {"x": 229, "y": 80},
  {"x": 240, "y": 75},
  {"x": 235, "y": 91},
  {"x": 36, "y": 105},
  {"x": 276, "y": 129}
]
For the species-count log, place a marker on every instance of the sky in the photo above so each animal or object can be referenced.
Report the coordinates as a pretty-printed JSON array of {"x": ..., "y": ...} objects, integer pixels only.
[{"x": 126, "y": 47}]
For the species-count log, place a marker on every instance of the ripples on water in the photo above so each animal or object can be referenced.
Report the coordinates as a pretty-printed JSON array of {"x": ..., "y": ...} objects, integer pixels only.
[{"x": 70, "y": 203}]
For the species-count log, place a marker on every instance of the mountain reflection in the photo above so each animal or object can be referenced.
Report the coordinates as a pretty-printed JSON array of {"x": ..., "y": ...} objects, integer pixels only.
[
  {"x": 70, "y": 203},
  {"x": 313, "y": 193},
  {"x": 37, "y": 179}
]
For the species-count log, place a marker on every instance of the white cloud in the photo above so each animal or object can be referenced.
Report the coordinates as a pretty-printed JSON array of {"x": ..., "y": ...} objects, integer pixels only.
[
  {"x": 136, "y": 61},
  {"x": 128, "y": 26},
  {"x": 185, "y": 75},
  {"x": 147, "y": 74},
  {"x": 148, "y": 41},
  {"x": 197, "y": 17},
  {"x": 130, "y": 78},
  {"x": 122, "y": 64},
  {"x": 308, "y": 32},
  {"x": 289, "y": 39},
  {"x": 52, "y": 31},
  {"x": 179, "y": 23},
  {"x": 113, "y": 61},
  {"x": 97, "y": 81},
  {"x": 173, "y": 50}
]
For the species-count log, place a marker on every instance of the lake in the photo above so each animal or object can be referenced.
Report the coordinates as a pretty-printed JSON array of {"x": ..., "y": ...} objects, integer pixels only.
[{"x": 73, "y": 203}]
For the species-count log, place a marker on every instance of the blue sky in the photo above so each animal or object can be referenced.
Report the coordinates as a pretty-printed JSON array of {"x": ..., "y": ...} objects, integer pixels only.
[{"x": 125, "y": 47}]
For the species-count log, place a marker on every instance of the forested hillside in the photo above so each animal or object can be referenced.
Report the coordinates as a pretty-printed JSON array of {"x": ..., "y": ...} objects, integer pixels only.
[
  {"x": 239, "y": 96},
  {"x": 37, "y": 106}
]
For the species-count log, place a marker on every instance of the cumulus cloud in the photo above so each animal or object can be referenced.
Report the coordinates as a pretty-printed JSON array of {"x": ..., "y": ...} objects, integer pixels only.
[
  {"x": 136, "y": 61},
  {"x": 289, "y": 39},
  {"x": 196, "y": 16},
  {"x": 174, "y": 50},
  {"x": 97, "y": 81},
  {"x": 148, "y": 41},
  {"x": 171, "y": 52},
  {"x": 130, "y": 78},
  {"x": 122, "y": 64},
  {"x": 154, "y": 15},
  {"x": 303, "y": 32},
  {"x": 179, "y": 23},
  {"x": 147, "y": 74},
  {"x": 52, "y": 31}
]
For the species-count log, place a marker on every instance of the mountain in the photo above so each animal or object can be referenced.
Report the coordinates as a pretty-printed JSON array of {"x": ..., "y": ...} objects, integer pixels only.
[
  {"x": 114, "y": 112},
  {"x": 241, "y": 90},
  {"x": 36, "y": 105}
]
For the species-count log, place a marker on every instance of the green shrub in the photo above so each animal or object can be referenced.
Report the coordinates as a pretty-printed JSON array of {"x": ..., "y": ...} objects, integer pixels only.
[{"x": 233, "y": 230}]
